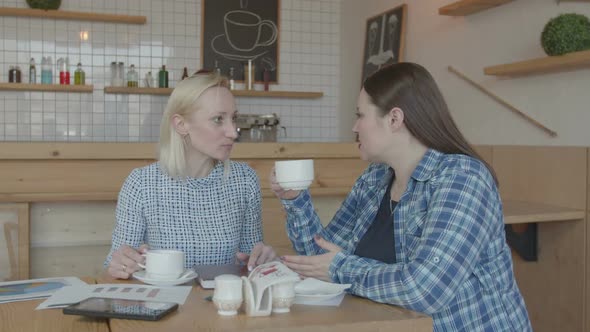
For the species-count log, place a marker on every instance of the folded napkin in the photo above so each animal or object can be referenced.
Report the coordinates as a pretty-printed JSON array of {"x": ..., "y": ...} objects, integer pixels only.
[{"x": 312, "y": 286}]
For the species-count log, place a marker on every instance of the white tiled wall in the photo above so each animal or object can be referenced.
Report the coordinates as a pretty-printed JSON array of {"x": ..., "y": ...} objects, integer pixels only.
[{"x": 309, "y": 61}]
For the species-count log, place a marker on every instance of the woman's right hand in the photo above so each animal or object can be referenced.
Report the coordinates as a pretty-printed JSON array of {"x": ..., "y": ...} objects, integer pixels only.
[
  {"x": 124, "y": 261},
  {"x": 278, "y": 190}
]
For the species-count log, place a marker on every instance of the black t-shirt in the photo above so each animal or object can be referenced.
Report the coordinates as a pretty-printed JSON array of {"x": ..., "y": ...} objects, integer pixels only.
[{"x": 378, "y": 242}]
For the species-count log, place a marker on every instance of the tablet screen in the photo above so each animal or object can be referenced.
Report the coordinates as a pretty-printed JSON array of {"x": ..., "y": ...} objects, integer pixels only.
[{"x": 119, "y": 308}]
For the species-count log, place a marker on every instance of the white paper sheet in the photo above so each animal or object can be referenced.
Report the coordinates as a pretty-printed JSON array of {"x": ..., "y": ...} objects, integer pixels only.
[
  {"x": 32, "y": 289},
  {"x": 74, "y": 294},
  {"x": 334, "y": 300}
]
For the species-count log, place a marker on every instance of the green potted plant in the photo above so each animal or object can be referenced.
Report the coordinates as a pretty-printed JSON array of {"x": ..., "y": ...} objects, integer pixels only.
[
  {"x": 566, "y": 33},
  {"x": 44, "y": 4}
]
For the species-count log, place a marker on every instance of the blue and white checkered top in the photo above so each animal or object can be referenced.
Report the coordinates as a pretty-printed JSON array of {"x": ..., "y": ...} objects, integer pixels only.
[
  {"x": 453, "y": 262},
  {"x": 210, "y": 218}
]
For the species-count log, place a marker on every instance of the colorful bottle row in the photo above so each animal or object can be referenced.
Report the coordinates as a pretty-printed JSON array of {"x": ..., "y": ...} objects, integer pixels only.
[{"x": 14, "y": 75}]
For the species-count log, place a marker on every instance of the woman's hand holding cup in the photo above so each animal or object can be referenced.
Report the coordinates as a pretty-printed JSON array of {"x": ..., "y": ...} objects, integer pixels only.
[
  {"x": 278, "y": 190},
  {"x": 289, "y": 177},
  {"x": 125, "y": 260}
]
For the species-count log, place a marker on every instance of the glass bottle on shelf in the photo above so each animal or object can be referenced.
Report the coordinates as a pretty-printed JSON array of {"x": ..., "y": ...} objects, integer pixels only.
[
  {"x": 149, "y": 80},
  {"x": 266, "y": 78},
  {"x": 32, "y": 72},
  {"x": 217, "y": 69},
  {"x": 249, "y": 70},
  {"x": 132, "y": 77},
  {"x": 163, "y": 77},
  {"x": 12, "y": 75},
  {"x": 67, "y": 70},
  {"x": 79, "y": 75},
  {"x": 113, "y": 73},
  {"x": 120, "y": 74},
  {"x": 46, "y": 71},
  {"x": 64, "y": 72},
  {"x": 184, "y": 73},
  {"x": 17, "y": 74},
  {"x": 232, "y": 80}
]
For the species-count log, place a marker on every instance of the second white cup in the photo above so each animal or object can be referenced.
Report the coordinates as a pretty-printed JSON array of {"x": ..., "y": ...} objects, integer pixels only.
[
  {"x": 283, "y": 295},
  {"x": 294, "y": 174},
  {"x": 163, "y": 264}
]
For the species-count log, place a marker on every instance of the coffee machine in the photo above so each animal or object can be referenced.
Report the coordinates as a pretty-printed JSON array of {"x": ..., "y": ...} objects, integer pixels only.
[{"x": 259, "y": 127}]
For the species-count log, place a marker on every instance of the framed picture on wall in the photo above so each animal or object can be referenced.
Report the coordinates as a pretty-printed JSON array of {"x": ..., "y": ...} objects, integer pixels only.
[
  {"x": 235, "y": 31},
  {"x": 384, "y": 40}
]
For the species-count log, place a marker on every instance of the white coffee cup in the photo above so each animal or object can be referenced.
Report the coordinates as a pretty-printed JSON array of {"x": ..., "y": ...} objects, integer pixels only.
[
  {"x": 294, "y": 174},
  {"x": 163, "y": 264},
  {"x": 283, "y": 295},
  {"x": 227, "y": 296}
]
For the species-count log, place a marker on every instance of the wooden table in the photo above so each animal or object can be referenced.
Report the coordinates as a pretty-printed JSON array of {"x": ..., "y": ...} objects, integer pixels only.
[
  {"x": 22, "y": 316},
  {"x": 353, "y": 314}
]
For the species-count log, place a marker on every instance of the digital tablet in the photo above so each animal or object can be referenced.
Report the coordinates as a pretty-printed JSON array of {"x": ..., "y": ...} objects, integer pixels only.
[{"x": 118, "y": 308}]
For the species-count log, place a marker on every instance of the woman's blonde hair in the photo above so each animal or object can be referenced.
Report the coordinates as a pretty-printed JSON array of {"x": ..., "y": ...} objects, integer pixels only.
[{"x": 183, "y": 101}]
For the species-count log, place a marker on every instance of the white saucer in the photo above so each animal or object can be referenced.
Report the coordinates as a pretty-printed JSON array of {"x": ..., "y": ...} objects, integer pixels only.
[{"x": 140, "y": 275}]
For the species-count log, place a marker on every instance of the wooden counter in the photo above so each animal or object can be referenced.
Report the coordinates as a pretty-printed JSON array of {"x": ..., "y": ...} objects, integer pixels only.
[{"x": 49, "y": 172}]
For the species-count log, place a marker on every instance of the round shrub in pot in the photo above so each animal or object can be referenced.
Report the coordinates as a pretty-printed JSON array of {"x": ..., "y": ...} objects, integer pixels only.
[
  {"x": 44, "y": 4},
  {"x": 566, "y": 33}
]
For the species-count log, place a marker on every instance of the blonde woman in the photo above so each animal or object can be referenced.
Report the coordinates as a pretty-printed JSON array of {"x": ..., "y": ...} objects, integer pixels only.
[{"x": 194, "y": 198}]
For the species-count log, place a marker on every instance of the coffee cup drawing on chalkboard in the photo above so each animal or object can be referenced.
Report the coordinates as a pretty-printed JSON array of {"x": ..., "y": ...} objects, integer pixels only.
[{"x": 242, "y": 38}]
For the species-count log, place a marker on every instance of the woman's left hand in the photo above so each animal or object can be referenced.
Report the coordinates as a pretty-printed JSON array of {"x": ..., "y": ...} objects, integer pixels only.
[
  {"x": 317, "y": 266},
  {"x": 260, "y": 254}
]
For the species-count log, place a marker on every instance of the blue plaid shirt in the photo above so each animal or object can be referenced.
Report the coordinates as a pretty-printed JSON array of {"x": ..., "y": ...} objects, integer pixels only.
[{"x": 453, "y": 262}]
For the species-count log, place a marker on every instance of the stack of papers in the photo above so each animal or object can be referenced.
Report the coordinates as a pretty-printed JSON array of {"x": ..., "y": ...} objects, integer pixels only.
[{"x": 32, "y": 289}]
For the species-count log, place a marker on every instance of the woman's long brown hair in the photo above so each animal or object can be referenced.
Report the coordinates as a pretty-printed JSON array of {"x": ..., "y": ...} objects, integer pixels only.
[{"x": 426, "y": 115}]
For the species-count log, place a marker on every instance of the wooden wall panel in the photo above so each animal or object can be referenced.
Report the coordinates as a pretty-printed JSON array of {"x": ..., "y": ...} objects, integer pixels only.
[
  {"x": 274, "y": 219},
  {"x": 65, "y": 224},
  {"x": 74, "y": 179},
  {"x": 554, "y": 286},
  {"x": 68, "y": 261},
  {"x": 486, "y": 152}
]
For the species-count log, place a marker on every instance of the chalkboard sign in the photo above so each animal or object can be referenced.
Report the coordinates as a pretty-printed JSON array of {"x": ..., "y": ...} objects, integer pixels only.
[{"x": 235, "y": 31}]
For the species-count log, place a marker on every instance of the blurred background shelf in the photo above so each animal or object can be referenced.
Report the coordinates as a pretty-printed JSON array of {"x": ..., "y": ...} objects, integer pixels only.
[
  {"x": 541, "y": 65},
  {"x": 468, "y": 7},
  {"x": 73, "y": 16},
  {"x": 45, "y": 87},
  {"x": 517, "y": 212},
  {"x": 237, "y": 93}
]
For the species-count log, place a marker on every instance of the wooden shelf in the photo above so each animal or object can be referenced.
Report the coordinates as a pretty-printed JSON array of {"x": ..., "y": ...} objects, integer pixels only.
[
  {"x": 237, "y": 93},
  {"x": 541, "y": 65},
  {"x": 277, "y": 94},
  {"x": 45, "y": 87},
  {"x": 516, "y": 212},
  {"x": 138, "y": 91},
  {"x": 74, "y": 16},
  {"x": 468, "y": 7}
]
